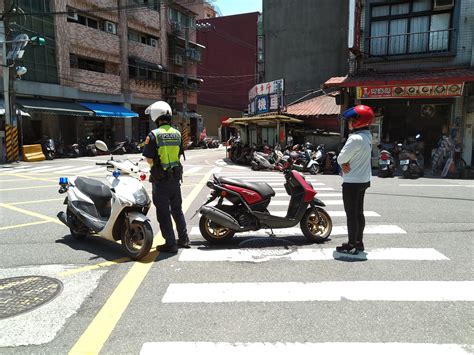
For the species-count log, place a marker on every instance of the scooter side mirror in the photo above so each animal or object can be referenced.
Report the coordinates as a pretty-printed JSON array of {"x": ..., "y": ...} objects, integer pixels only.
[{"x": 101, "y": 146}]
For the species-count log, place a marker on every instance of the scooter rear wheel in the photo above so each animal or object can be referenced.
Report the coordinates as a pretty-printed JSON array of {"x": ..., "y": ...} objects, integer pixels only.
[
  {"x": 316, "y": 227},
  {"x": 137, "y": 240},
  {"x": 214, "y": 233},
  {"x": 78, "y": 231}
]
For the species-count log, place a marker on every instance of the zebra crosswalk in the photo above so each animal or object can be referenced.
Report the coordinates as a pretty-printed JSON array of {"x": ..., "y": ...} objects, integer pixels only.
[{"x": 287, "y": 290}]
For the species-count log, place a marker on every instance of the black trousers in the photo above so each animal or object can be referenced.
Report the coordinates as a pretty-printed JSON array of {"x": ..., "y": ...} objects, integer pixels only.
[
  {"x": 167, "y": 200},
  {"x": 353, "y": 196}
]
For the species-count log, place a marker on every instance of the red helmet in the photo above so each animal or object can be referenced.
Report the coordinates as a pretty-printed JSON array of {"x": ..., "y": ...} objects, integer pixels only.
[{"x": 363, "y": 115}]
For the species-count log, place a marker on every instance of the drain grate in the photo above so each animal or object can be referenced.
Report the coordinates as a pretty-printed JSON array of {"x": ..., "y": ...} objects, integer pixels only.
[{"x": 25, "y": 293}]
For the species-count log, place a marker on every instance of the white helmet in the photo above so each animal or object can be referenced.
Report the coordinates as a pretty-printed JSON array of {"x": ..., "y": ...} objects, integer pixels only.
[{"x": 158, "y": 109}]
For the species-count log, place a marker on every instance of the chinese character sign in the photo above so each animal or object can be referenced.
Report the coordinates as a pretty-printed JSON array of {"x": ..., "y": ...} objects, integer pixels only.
[{"x": 262, "y": 104}]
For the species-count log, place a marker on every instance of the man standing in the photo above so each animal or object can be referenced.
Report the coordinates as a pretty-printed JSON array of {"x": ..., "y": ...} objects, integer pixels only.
[
  {"x": 355, "y": 161},
  {"x": 163, "y": 147}
]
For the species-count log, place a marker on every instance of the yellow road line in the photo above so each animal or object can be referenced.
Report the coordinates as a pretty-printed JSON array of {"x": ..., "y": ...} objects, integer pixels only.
[
  {"x": 23, "y": 225},
  {"x": 26, "y": 188},
  {"x": 30, "y": 213},
  {"x": 29, "y": 177},
  {"x": 95, "y": 336},
  {"x": 35, "y": 201},
  {"x": 13, "y": 180}
]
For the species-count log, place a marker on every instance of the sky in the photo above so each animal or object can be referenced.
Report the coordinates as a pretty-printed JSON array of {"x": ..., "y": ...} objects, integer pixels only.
[{"x": 233, "y": 7}]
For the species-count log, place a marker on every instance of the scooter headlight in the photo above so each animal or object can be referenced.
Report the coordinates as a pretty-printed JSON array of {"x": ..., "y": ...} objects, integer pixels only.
[{"x": 141, "y": 198}]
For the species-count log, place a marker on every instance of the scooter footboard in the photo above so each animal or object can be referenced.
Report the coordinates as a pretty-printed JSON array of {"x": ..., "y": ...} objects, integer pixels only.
[{"x": 220, "y": 217}]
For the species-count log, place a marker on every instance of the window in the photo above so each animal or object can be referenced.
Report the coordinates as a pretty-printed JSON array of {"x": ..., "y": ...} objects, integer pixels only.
[
  {"x": 86, "y": 64},
  {"x": 152, "y": 4},
  {"x": 182, "y": 19},
  {"x": 142, "y": 38},
  {"x": 409, "y": 28}
]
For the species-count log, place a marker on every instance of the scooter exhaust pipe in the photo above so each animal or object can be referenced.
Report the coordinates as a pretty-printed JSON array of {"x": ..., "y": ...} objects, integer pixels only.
[
  {"x": 62, "y": 217},
  {"x": 220, "y": 217}
]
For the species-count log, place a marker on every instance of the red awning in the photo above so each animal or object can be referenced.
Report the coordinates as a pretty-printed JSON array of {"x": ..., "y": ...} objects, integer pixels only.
[
  {"x": 318, "y": 106},
  {"x": 445, "y": 75}
]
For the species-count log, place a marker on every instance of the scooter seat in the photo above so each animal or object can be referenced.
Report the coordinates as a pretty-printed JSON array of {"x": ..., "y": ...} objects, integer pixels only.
[
  {"x": 262, "y": 188},
  {"x": 95, "y": 189}
]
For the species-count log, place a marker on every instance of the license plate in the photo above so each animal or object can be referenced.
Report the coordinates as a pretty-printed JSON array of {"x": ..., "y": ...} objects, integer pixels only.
[
  {"x": 382, "y": 162},
  {"x": 404, "y": 162}
]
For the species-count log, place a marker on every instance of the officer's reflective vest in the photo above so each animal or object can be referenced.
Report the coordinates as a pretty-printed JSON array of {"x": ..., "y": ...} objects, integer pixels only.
[{"x": 168, "y": 142}]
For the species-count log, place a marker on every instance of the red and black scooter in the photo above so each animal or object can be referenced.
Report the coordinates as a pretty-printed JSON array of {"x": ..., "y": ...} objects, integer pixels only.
[{"x": 248, "y": 209}]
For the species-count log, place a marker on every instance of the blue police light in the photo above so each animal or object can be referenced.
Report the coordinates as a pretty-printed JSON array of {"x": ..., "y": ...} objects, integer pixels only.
[
  {"x": 116, "y": 173},
  {"x": 63, "y": 180}
]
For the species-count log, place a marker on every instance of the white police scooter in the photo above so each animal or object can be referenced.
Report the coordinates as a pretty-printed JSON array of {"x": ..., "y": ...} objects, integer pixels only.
[{"x": 115, "y": 212}]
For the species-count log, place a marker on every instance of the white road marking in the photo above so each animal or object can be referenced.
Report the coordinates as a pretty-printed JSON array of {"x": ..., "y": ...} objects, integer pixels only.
[
  {"x": 336, "y": 194},
  {"x": 272, "y": 183},
  {"x": 36, "y": 169},
  {"x": 327, "y": 202},
  {"x": 433, "y": 185},
  {"x": 284, "y": 348},
  {"x": 331, "y": 213},
  {"x": 192, "y": 171},
  {"x": 304, "y": 254},
  {"x": 403, "y": 291},
  {"x": 317, "y": 189},
  {"x": 51, "y": 169},
  {"x": 336, "y": 230}
]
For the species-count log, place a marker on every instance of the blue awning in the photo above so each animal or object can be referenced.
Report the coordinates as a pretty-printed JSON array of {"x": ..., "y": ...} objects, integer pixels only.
[{"x": 109, "y": 110}]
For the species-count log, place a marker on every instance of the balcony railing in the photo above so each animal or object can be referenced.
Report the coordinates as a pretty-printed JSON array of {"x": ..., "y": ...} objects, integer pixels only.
[{"x": 411, "y": 43}]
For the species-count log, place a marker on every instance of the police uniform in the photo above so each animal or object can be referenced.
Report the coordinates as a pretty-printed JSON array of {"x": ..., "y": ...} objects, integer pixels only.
[{"x": 164, "y": 146}]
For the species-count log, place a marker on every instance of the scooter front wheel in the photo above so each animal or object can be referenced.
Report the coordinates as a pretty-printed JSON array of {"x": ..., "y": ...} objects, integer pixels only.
[
  {"x": 316, "y": 227},
  {"x": 214, "y": 233},
  {"x": 137, "y": 240}
]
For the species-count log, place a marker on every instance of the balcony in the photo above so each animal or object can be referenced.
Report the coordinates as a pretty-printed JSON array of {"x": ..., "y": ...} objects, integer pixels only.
[
  {"x": 145, "y": 52},
  {"x": 94, "y": 43},
  {"x": 428, "y": 42},
  {"x": 148, "y": 19},
  {"x": 91, "y": 81}
]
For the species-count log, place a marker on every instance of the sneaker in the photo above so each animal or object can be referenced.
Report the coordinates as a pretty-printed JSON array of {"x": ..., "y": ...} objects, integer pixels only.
[
  {"x": 360, "y": 246},
  {"x": 166, "y": 248},
  {"x": 183, "y": 243},
  {"x": 347, "y": 249}
]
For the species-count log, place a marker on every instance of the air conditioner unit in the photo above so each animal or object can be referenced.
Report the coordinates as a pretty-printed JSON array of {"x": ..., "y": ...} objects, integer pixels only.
[
  {"x": 110, "y": 27},
  {"x": 152, "y": 42},
  {"x": 176, "y": 26},
  {"x": 178, "y": 59},
  {"x": 443, "y": 4},
  {"x": 72, "y": 15}
]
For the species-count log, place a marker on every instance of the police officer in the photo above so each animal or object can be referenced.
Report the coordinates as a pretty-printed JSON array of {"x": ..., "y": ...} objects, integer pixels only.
[{"x": 163, "y": 147}]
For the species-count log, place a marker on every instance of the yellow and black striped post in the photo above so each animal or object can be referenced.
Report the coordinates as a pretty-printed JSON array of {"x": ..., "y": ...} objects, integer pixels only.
[
  {"x": 11, "y": 143},
  {"x": 185, "y": 135}
]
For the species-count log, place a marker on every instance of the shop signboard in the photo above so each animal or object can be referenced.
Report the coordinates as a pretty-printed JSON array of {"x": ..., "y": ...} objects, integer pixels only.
[
  {"x": 262, "y": 104},
  {"x": 438, "y": 90},
  {"x": 266, "y": 97}
]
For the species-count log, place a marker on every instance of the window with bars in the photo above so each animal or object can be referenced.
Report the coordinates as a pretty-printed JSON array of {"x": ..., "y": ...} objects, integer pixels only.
[
  {"x": 86, "y": 64},
  {"x": 413, "y": 27}
]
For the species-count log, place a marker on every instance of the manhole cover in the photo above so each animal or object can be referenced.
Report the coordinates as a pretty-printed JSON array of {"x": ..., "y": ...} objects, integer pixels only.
[{"x": 25, "y": 293}]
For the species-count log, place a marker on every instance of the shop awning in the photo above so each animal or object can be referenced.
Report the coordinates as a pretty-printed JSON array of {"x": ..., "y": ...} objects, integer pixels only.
[
  {"x": 55, "y": 107},
  {"x": 448, "y": 76},
  {"x": 324, "y": 105},
  {"x": 109, "y": 110},
  {"x": 261, "y": 119},
  {"x": 18, "y": 112},
  {"x": 145, "y": 65}
]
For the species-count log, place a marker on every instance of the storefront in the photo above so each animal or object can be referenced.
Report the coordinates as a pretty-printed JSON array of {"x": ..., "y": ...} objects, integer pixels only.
[{"x": 431, "y": 104}]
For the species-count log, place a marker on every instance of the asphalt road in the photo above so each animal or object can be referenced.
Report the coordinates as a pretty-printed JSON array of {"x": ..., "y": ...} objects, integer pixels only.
[{"x": 411, "y": 292}]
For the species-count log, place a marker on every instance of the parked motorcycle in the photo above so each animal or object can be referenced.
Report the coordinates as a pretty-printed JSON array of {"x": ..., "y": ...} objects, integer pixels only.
[
  {"x": 115, "y": 212},
  {"x": 304, "y": 162},
  {"x": 248, "y": 210},
  {"x": 411, "y": 160},
  {"x": 49, "y": 148},
  {"x": 386, "y": 163}
]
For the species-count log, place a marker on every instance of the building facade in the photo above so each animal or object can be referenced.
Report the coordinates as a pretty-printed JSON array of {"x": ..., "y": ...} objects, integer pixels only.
[
  {"x": 103, "y": 63},
  {"x": 413, "y": 62},
  {"x": 228, "y": 68},
  {"x": 305, "y": 42}
]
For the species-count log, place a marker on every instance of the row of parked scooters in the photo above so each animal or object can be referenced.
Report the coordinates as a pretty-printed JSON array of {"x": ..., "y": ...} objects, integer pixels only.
[
  {"x": 408, "y": 157},
  {"x": 302, "y": 158},
  {"x": 57, "y": 149}
]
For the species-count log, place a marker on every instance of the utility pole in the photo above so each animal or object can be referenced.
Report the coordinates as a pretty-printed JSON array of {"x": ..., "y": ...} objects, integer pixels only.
[{"x": 185, "y": 72}]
